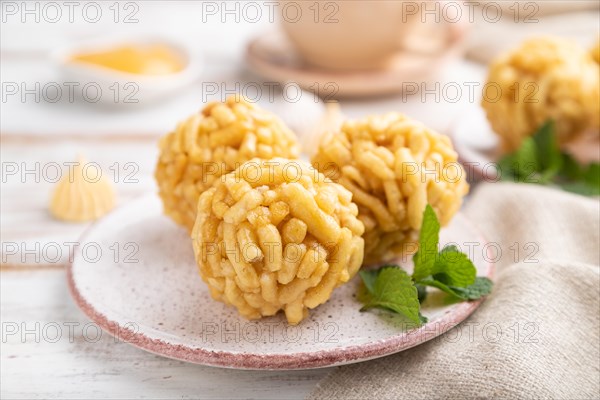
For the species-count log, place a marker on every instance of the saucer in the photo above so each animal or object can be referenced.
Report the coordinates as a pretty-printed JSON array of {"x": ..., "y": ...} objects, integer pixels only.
[{"x": 274, "y": 57}]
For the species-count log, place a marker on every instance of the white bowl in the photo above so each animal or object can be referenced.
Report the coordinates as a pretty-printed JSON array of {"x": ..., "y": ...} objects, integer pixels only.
[{"x": 103, "y": 85}]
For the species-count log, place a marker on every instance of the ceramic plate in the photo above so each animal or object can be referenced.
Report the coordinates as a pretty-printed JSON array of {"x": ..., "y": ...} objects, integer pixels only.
[{"x": 134, "y": 274}]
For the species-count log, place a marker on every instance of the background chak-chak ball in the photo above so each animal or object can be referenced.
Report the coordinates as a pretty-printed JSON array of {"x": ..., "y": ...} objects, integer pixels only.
[
  {"x": 544, "y": 78},
  {"x": 212, "y": 143},
  {"x": 394, "y": 166}
]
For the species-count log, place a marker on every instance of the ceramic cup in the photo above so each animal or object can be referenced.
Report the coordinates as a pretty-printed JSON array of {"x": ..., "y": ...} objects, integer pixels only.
[{"x": 349, "y": 35}]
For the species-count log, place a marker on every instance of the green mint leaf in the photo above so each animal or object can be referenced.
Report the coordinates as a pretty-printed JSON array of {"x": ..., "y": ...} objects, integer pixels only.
[
  {"x": 368, "y": 278},
  {"x": 592, "y": 176},
  {"x": 537, "y": 160},
  {"x": 506, "y": 166},
  {"x": 571, "y": 170},
  {"x": 454, "y": 268},
  {"x": 393, "y": 290},
  {"x": 549, "y": 156},
  {"x": 437, "y": 284},
  {"x": 363, "y": 294},
  {"x": 424, "y": 258},
  {"x": 582, "y": 188},
  {"x": 526, "y": 160},
  {"x": 421, "y": 292},
  {"x": 481, "y": 287},
  {"x": 522, "y": 165},
  {"x": 580, "y": 180}
]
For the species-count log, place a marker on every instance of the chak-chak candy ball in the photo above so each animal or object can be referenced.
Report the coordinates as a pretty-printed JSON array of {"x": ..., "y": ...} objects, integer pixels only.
[
  {"x": 394, "y": 167},
  {"x": 276, "y": 235},
  {"x": 543, "y": 79},
  {"x": 212, "y": 143}
]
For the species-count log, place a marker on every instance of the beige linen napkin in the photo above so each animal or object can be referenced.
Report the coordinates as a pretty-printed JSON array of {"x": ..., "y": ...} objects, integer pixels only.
[{"x": 537, "y": 334}]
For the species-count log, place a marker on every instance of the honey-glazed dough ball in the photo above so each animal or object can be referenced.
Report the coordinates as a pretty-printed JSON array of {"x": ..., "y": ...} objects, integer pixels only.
[
  {"x": 276, "y": 235},
  {"x": 393, "y": 166},
  {"x": 212, "y": 143},
  {"x": 544, "y": 78}
]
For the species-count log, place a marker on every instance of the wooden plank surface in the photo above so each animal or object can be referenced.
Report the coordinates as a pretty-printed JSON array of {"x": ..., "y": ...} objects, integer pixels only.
[
  {"x": 29, "y": 233},
  {"x": 51, "y": 350}
]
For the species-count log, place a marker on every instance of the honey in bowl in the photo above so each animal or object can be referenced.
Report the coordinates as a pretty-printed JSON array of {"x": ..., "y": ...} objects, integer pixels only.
[{"x": 151, "y": 59}]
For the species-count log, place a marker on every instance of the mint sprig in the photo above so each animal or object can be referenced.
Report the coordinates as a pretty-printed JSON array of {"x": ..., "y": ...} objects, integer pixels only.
[
  {"x": 540, "y": 160},
  {"x": 392, "y": 289}
]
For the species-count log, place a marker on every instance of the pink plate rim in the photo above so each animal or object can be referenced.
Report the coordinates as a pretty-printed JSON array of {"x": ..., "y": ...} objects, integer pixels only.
[{"x": 296, "y": 361}]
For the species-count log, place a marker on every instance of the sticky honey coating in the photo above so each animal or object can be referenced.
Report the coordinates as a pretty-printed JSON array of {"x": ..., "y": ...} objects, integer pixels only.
[
  {"x": 393, "y": 166},
  {"x": 276, "y": 235},
  {"x": 544, "y": 78},
  {"x": 212, "y": 143}
]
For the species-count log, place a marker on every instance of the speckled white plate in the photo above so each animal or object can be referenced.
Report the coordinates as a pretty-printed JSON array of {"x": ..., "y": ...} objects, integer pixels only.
[{"x": 134, "y": 274}]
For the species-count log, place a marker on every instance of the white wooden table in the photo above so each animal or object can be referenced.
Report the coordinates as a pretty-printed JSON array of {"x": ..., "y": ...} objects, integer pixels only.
[{"x": 50, "y": 350}]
